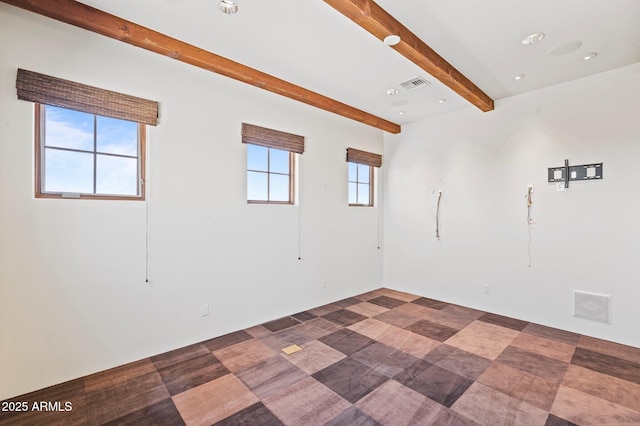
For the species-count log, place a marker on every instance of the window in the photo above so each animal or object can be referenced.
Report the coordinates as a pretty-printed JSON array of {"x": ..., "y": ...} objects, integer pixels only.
[
  {"x": 360, "y": 185},
  {"x": 269, "y": 175},
  {"x": 270, "y": 164},
  {"x": 90, "y": 142},
  {"x": 88, "y": 155},
  {"x": 361, "y": 176}
]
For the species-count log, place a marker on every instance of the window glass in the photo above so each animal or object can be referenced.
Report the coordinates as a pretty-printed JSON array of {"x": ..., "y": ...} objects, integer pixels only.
[{"x": 269, "y": 175}]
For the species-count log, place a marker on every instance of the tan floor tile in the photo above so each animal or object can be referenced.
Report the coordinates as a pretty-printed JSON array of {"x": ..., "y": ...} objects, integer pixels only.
[
  {"x": 244, "y": 355},
  {"x": 400, "y": 295},
  {"x": 408, "y": 342},
  {"x": 484, "y": 339},
  {"x": 213, "y": 401},
  {"x": 543, "y": 346},
  {"x": 307, "y": 402},
  {"x": 367, "y": 309},
  {"x": 317, "y": 327},
  {"x": 603, "y": 386},
  {"x": 490, "y": 407},
  {"x": 370, "y": 327},
  {"x": 416, "y": 311},
  {"x": 530, "y": 388},
  {"x": 314, "y": 356},
  {"x": 614, "y": 349},
  {"x": 583, "y": 409},
  {"x": 257, "y": 331}
]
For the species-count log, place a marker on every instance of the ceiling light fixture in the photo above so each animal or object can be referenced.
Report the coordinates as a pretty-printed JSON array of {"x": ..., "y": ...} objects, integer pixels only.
[
  {"x": 589, "y": 56},
  {"x": 532, "y": 38},
  {"x": 392, "y": 92},
  {"x": 228, "y": 6},
  {"x": 402, "y": 112},
  {"x": 442, "y": 100},
  {"x": 518, "y": 77},
  {"x": 392, "y": 40}
]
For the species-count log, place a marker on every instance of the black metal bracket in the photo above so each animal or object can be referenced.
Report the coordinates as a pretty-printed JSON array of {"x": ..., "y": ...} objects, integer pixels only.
[{"x": 569, "y": 173}]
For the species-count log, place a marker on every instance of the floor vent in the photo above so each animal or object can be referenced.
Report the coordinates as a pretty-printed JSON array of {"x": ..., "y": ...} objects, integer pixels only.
[
  {"x": 592, "y": 306},
  {"x": 415, "y": 83}
]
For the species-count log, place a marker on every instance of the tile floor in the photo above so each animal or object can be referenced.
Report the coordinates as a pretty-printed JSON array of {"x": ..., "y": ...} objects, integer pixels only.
[{"x": 380, "y": 358}]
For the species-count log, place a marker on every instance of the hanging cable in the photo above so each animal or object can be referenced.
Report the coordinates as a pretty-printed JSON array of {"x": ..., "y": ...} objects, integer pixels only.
[
  {"x": 146, "y": 242},
  {"x": 438, "y": 215},
  {"x": 529, "y": 219}
]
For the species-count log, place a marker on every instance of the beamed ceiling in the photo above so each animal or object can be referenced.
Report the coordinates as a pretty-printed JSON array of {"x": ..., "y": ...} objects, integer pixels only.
[{"x": 330, "y": 54}]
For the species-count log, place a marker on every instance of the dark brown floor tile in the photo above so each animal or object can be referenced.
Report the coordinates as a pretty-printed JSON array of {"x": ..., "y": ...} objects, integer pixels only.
[
  {"x": 350, "y": 379},
  {"x": 271, "y": 376},
  {"x": 511, "y": 323},
  {"x": 607, "y": 364},
  {"x": 536, "y": 364},
  {"x": 387, "y": 302},
  {"x": 552, "y": 333},
  {"x": 118, "y": 375},
  {"x": 434, "y": 382},
  {"x": 304, "y": 316},
  {"x": 344, "y": 317},
  {"x": 396, "y": 318},
  {"x": 430, "y": 303},
  {"x": 69, "y": 392},
  {"x": 179, "y": 355},
  {"x": 255, "y": 415},
  {"x": 464, "y": 364},
  {"x": 280, "y": 324},
  {"x": 324, "y": 309},
  {"x": 227, "y": 340},
  {"x": 191, "y": 373},
  {"x": 163, "y": 413},
  {"x": 111, "y": 402},
  {"x": 610, "y": 348},
  {"x": 384, "y": 359},
  {"x": 432, "y": 330},
  {"x": 438, "y": 353},
  {"x": 344, "y": 303},
  {"x": 557, "y": 421},
  {"x": 400, "y": 295},
  {"x": 352, "y": 417},
  {"x": 347, "y": 341}
]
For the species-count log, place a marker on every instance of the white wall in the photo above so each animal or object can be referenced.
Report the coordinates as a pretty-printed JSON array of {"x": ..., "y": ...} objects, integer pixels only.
[
  {"x": 73, "y": 299},
  {"x": 587, "y": 238}
]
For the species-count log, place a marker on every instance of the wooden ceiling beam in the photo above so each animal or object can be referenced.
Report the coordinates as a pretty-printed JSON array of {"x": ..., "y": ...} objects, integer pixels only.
[
  {"x": 377, "y": 21},
  {"x": 97, "y": 21}
]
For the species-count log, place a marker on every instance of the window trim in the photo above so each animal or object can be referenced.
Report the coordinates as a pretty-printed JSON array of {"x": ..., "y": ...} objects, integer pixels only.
[
  {"x": 371, "y": 185},
  {"x": 39, "y": 166},
  {"x": 292, "y": 156}
]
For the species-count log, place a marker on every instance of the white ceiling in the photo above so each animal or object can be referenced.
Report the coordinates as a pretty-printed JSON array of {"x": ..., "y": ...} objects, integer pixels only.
[{"x": 308, "y": 43}]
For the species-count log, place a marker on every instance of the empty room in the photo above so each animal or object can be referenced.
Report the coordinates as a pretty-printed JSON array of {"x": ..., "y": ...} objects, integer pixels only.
[{"x": 338, "y": 212}]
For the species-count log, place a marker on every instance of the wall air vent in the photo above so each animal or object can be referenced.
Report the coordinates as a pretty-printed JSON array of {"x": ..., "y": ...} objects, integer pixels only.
[{"x": 415, "y": 84}]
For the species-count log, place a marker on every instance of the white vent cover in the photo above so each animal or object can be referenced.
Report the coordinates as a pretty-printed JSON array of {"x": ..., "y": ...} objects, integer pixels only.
[
  {"x": 592, "y": 306},
  {"x": 415, "y": 83}
]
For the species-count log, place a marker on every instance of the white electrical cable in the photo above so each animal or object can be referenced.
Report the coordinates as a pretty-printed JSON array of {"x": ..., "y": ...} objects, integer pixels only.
[
  {"x": 438, "y": 216},
  {"x": 529, "y": 220}
]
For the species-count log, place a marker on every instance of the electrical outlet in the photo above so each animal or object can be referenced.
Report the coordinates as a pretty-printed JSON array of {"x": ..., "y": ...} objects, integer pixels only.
[
  {"x": 323, "y": 283},
  {"x": 487, "y": 289},
  {"x": 560, "y": 187},
  {"x": 204, "y": 310}
]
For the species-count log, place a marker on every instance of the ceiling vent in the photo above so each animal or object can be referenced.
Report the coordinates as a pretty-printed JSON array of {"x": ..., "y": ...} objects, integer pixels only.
[{"x": 415, "y": 84}]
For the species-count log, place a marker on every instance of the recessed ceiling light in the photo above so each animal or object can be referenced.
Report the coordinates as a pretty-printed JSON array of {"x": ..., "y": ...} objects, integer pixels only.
[
  {"x": 518, "y": 77},
  {"x": 228, "y": 6},
  {"x": 392, "y": 40},
  {"x": 532, "y": 38},
  {"x": 392, "y": 92},
  {"x": 402, "y": 112},
  {"x": 399, "y": 103},
  {"x": 589, "y": 56},
  {"x": 442, "y": 100}
]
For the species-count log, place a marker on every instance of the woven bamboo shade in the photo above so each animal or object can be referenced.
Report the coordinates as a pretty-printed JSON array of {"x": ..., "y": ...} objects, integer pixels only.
[
  {"x": 48, "y": 90},
  {"x": 364, "y": 157},
  {"x": 270, "y": 138}
]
